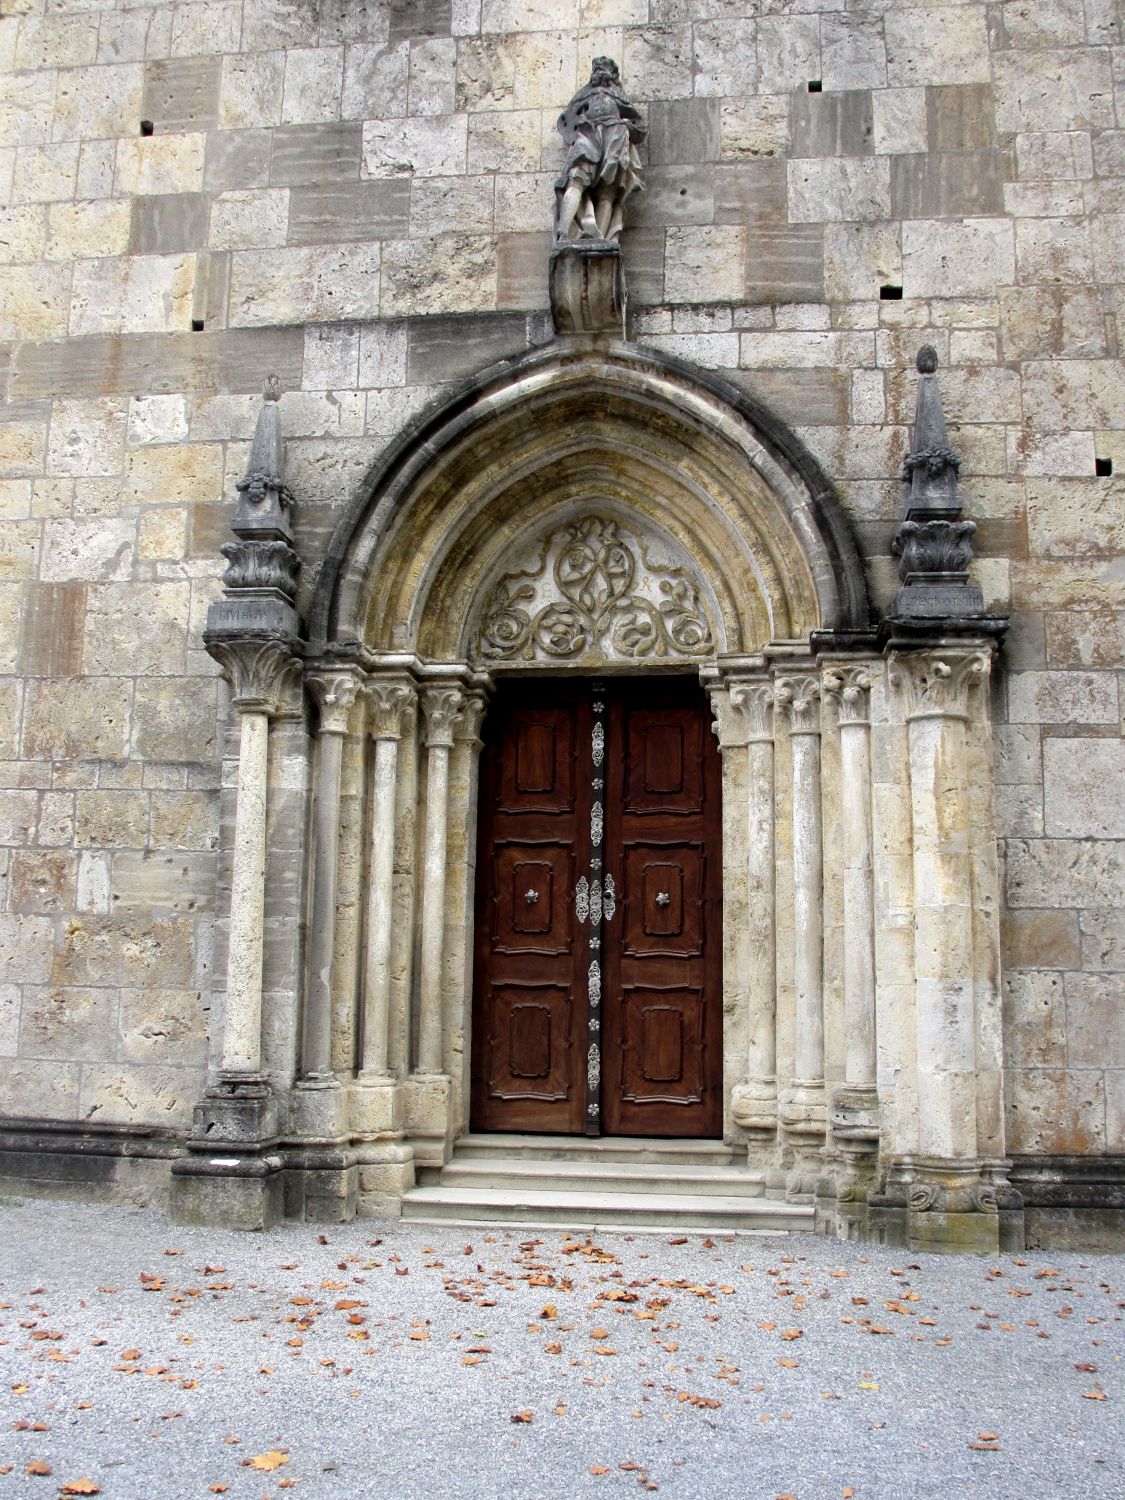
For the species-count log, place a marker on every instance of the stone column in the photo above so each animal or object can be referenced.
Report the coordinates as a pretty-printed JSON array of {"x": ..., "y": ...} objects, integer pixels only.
[
  {"x": 461, "y": 870},
  {"x": 950, "y": 1203},
  {"x": 387, "y": 703},
  {"x": 386, "y": 1163},
  {"x": 855, "y": 1106},
  {"x": 323, "y": 1182},
  {"x": 230, "y": 1174},
  {"x": 754, "y": 1097},
  {"x": 803, "y": 1111},
  {"x": 428, "y": 1104}
]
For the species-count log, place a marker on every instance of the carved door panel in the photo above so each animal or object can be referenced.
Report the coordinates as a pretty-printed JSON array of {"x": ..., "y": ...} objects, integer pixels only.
[
  {"x": 598, "y": 977},
  {"x": 529, "y": 1018},
  {"x": 662, "y": 1056}
]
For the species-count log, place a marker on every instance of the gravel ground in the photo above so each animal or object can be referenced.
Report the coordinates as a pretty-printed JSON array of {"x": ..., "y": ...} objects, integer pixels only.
[{"x": 380, "y": 1360}]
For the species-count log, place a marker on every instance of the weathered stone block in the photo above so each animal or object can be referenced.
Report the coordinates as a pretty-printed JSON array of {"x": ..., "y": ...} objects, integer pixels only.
[
  {"x": 1040, "y": 940},
  {"x": 124, "y": 950},
  {"x": 120, "y": 1094},
  {"x": 853, "y": 52},
  {"x": 754, "y": 128},
  {"x": 521, "y": 271},
  {"x": 1082, "y": 782},
  {"x": 168, "y": 223},
  {"x": 238, "y": 159},
  {"x": 174, "y": 720},
  {"x": 160, "y": 164},
  {"x": 1062, "y": 698},
  {"x": 1064, "y": 873},
  {"x": 163, "y": 1026},
  {"x": 73, "y": 1023},
  {"x": 683, "y": 132},
  {"x": 182, "y": 93},
  {"x": 290, "y": 286},
  {"x": 1103, "y": 938},
  {"x": 1085, "y": 638},
  {"x": 40, "y": 1089},
  {"x": 445, "y": 205},
  {"x": 431, "y": 146},
  {"x": 971, "y": 256},
  {"x": 859, "y": 259},
  {"x": 949, "y": 184},
  {"x": 74, "y": 718},
  {"x": 705, "y": 264},
  {"x": 314, "y": 78},
  {"x": 839, "y": 188},
  {"x": 87, "y": 229},
  {"x": 34, "y": 301},
  {"x": 315, "y": 154},
  {"x": 1063, "y": 90},
  {"x": 447, "y": 273},
  {"x": 832, "y": 124},
  {"x": 1034, "y": 1013},
  {"x": 1095, "y": 1026},
  {"x": 937, "y": 46}
]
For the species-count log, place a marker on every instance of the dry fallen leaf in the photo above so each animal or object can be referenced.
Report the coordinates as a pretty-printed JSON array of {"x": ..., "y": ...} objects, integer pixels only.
[
  {"x": 1094, "y": 1396},
  {"x": 789, "y": 1364},
  {"x": 37, "y": 1466},
  {"x": 521, "y": 1416},
  {"x": 791, "y": 1333},
  {"x": 86, "y": 1486},
  {"x": 599, "y": 1468},
  {"x": 267, "y": 1461},
  {"x": 218, "y": 1489}
]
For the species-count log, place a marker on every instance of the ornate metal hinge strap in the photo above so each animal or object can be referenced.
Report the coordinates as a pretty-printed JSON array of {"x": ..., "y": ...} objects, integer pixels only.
[{"x": 591, "y": 898}]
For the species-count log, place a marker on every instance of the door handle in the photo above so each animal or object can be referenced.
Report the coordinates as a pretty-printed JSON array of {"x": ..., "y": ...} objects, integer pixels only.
[
  {"x": 531, "y": 897},
  {"x": 662, "y": 898}
]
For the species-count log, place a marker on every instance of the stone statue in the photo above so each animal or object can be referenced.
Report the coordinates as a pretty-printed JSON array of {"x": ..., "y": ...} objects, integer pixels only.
[{"x": 602, "y": 131}]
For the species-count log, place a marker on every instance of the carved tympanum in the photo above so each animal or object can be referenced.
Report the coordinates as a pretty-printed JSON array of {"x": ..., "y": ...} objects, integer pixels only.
[{"x": 596, "y": 591}]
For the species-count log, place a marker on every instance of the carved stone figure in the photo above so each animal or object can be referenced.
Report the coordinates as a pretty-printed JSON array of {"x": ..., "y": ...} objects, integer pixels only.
[{"x": 602, "y": 131}]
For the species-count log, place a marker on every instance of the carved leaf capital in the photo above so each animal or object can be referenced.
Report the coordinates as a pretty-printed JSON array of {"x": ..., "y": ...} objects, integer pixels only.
[
  {"x": 388, "y": 706},
  {"x": 467, "y": 730},
  {"x": 259, "y": 668},
  {"x": 799, "y": 698},
  {"x": 937, "y": 684},
  {"x": 335, "y": 694},
  {"x": 849, "y": 688},
  {"x": 441, "y": 710}
]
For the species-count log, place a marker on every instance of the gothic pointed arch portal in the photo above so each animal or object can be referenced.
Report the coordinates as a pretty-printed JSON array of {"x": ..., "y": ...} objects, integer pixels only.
[{"x": 577, "y": 513}]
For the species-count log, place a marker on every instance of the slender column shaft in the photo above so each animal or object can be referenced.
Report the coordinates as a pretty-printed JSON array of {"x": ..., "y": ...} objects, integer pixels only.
[
  {"x": 316, "y": 1051},
  {"x": 808, "y": 907},
  {"x": 761, "y": 1059},
  {"x": 380, "y": 909},
  {"x": 442, "y": 709},
  {"x": 859, "y": 906},
  {"x": 335, "y": 694},
  {"x": 943, "y": 940},
  {"x": 939, "y": 692},
  {"x": 242, "y": 1023}
]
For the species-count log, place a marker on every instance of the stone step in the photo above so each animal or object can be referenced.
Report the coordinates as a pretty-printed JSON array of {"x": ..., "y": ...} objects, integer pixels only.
[
  {"x": 569, "y": 1148},
  {"x": 515, "y": 1175},
  {"x": 539, "y": 1208}
]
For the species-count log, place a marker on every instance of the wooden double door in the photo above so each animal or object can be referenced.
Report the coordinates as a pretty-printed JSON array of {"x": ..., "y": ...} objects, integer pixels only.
[{"x": 598, "y": 977}]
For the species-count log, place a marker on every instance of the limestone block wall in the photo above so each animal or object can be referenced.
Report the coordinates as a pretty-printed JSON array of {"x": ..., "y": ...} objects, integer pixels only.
[{"x": 357, "y": 195}]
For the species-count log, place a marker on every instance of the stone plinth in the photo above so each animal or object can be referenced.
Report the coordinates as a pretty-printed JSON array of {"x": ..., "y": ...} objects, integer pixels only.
[{"x": 587, "y": 287}]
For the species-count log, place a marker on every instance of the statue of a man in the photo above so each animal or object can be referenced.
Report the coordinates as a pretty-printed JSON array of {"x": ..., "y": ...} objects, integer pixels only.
[{"x": 602, "y": 131}]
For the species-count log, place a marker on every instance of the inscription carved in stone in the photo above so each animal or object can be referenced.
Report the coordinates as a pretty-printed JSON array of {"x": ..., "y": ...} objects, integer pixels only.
[{"x": 596, "y": 591}]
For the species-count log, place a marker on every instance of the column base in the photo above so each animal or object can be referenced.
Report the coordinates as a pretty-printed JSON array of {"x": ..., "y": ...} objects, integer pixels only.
[
  {"x": 321, "y": 1178},
  {"x": 375, "y": 1106},
  {"x": 947, "y": 1207},
  {"x": 231, "y": 1176},
  {"x": 753, "y": 1104},
  {"x": 801, "y": 1118},
  {"x": 386, "y": 1171},
  {"x": 425, "y": 1107}
]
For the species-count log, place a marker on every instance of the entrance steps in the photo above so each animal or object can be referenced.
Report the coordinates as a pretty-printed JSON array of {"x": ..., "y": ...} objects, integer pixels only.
[{"x": 586, "y": 1183}]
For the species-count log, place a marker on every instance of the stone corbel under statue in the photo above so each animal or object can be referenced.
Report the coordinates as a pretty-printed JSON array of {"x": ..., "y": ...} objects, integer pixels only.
[{"x": 602, "y": 131}]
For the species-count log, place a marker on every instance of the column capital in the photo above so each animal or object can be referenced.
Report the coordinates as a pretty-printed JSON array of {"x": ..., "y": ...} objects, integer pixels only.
[
  {"x": 335, "y": 693},
  {"x": 742, "y": 711},
  {"x": 938, "y": 683},
  {"x": 389, "y": 703},
  {"x": 261, "y": 669},
  {"x": 442, "y": 707},
  {"x": 798, "y": 695},
  {"x": 849, "y": 688},
  {"x": 467, "y": 730}
]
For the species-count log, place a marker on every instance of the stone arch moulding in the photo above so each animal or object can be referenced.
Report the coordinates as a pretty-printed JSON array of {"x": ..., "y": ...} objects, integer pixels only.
[{"x": 621, "y": 432}]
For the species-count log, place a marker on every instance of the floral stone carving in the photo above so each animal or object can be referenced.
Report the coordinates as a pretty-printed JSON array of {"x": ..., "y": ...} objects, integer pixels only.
[{"x": 596, "y": 592}]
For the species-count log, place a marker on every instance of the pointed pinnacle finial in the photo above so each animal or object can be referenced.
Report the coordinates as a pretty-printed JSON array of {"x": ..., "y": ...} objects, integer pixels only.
[
  {"x": 927, "y": 361},
  {"x": 271, "y": 391}
]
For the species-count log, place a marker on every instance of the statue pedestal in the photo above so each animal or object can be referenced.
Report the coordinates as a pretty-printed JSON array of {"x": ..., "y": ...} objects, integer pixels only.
[{"x": 587, "y": 287}]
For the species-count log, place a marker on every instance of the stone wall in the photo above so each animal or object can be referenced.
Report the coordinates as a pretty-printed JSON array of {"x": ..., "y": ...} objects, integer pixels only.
[{"x": 357, "y": 195}]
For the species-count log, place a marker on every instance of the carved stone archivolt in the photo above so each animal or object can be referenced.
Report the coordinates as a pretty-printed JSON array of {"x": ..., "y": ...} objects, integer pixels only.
[{"x": 597, "y": 591}]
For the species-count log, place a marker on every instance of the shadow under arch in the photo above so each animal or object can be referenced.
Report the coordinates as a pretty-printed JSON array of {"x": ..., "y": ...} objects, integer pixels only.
[{"x": 685, "y": 449}]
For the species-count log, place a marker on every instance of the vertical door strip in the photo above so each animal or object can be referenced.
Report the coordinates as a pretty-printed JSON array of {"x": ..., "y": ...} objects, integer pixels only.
[{"x": 589, "y": 903}]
